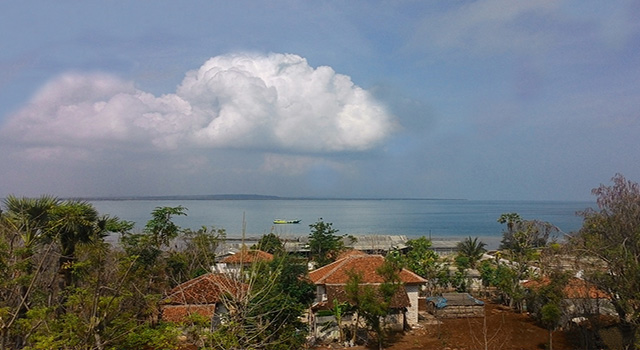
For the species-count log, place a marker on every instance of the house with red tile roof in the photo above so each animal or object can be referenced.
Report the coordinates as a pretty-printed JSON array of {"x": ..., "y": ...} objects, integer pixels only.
[
  {"x": 349, "y": 252},
  {"x": 575, "y": 288},
  {"x": 330, "y": 281},
  {"x": 203, "y": 296},
  {"x": 580, "y": 299},
  {"x": 247, "y": 257},
  {"x": 232, "y": 264}
]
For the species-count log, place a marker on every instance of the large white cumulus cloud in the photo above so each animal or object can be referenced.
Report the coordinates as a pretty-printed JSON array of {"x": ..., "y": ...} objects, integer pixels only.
[{"x": 269, "y": 102}]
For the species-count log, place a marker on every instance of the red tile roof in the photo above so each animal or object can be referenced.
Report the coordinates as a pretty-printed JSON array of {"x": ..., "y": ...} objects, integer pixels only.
[
  {"x": 576, "y": 288},
  {"x": 248, "y": 257},
  {"x": 206, "y": 289},
  {"x": 179, "y": 313},
  {"x": 348, "y": 253},
  {"x": 338, "y": 271}
]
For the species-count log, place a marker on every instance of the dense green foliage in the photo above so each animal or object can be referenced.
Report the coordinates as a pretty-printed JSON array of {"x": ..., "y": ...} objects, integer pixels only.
[
  {"x": 373, "y": 303},
  {"x": 62, "y": 286},
  {"x": 523, "y": 247},
  {"x": 268, "y": 315},
  {"x": 420, "y": 258},
  {"x": 270, "y": 243},
  {"x": 525, "y": 234},
  {"x": 324, "y": 244},
  {"x": 610, "y": 238},
  {"x": 472, "y": 250}
]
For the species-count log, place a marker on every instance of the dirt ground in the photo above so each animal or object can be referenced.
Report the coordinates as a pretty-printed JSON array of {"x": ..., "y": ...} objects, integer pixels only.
[{"x": 505, "y": 330}]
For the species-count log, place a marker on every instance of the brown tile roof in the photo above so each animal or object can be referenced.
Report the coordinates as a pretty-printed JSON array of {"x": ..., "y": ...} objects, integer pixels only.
[
  {"x": 338, "y": 271},
  {"x": 179, "y": 313},
  {"x": 351, "y": 252},
  {"x": 206, "y": 289},
  {"x": 248, "y": 257},
  {"x": 576, "y": 288}
]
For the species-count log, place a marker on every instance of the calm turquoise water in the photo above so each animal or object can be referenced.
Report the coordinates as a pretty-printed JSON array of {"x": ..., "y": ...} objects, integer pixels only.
[{"x": 413, "y": 218}]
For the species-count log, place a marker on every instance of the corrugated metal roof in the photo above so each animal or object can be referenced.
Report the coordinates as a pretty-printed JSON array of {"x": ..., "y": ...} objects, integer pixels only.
[
  {"x": 380, "y": 242},
  {"x": 454, "y": 299}
]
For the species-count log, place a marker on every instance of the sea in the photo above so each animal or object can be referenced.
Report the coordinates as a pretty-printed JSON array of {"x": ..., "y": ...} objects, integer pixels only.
[{"x": 413, "y": 218}]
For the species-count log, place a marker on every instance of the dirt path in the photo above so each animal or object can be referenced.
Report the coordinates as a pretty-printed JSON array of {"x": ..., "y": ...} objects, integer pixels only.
[{"x": 505, "y": 330}]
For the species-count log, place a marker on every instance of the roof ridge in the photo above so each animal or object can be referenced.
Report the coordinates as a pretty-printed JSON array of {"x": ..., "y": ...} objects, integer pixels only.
[
  {"x": 368, "y": 266},
  {"x": 413, "y": 274},
  {"x": 338, "y": 263},
  {"x": 188, "y": 284}
]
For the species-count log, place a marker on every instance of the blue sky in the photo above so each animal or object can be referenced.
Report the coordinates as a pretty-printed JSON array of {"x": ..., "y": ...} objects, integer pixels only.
[{"x": 487, "y": 99}]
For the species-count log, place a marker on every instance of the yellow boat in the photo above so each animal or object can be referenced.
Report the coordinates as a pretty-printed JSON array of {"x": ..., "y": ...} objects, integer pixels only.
[{"x": 282, "y": 221}]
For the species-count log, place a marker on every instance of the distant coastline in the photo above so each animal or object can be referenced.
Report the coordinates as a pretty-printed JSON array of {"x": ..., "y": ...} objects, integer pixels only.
[
  {"x": 239, "y": 197},
  {"x": 183, "y": 197}
]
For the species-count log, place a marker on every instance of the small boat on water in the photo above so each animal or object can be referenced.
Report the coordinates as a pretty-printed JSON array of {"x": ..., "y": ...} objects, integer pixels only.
[{"x": 282, "y": 221}]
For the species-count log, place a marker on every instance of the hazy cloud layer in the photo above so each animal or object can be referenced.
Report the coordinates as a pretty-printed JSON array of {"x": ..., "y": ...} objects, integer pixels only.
[
  {"x": 491, "y": 26},
  {"x": 272, "y": 102},
  {"x": 478, "y": 99}
]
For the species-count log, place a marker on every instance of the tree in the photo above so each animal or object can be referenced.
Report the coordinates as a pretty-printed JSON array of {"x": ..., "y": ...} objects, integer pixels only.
[
  {"x": 29, "y": 218},
  {"x": 374, "y": 304},
  {"x": 24, "y": 225},
  {"x": 161, "y": 226},
  {"x": 270, "y": 243},
  {"x": 153, "y": 267},
  {"x": 488, "y": 273},
  {"x": 472, "y": 250},
  {"x": 74, "y": 222},
  {"x": 544, "y": 300},
  {"x": 610, "y": 237},
  {"x": 522, "y": 233},
  {"x": 522, "y": 243},
  {"x": 197, "y": 254},
  {"x": 46, "y": 243},
  {"x": 147, "y": 246},
  {"x": 96, "y": 310},
  {"x": 507, "y": 280},
  {"x": 425, "y": 262},
  {"x": 511, "y": 219},
  {"x": 267, "y": 313},
  {"x": 338, "y": 310},
  {"x": 292, "y": 279},
  {"x": 550, "y": 316},
  {"x": 324, "y": 244},
  {"x": 26, "y": 258},
  {"x": 420, "y": 259}
]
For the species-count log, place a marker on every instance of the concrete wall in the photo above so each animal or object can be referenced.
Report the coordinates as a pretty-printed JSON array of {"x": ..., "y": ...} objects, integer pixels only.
[
  {"x": 325, "y": 328},
  {"x": 412, "y": 311},
  {"x": 321, "y": 293},
  {"x": 456, "y": 311}
]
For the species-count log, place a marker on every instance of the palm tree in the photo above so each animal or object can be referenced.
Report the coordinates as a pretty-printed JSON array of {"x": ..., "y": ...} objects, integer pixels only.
[
  {"x": 29, "y": 218},
  {"x": 472, "y": 249},
  {"x": 27, "y": 221},
  {"x": 511, "y": 219},
  {"x": 74, "y": 222}
]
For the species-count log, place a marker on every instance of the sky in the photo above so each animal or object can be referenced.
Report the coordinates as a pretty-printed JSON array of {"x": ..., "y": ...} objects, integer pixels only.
[{"x": 483, "y": 100}]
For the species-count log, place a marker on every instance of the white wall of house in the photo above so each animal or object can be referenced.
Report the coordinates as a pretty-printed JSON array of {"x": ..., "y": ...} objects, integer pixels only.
[
  {"x": 412, "y": 311},
  {"x": 321, "y": 293},
  {"x": 229, "y": 269}
]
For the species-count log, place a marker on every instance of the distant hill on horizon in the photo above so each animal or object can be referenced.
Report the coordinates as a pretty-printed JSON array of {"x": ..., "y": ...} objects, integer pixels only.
[
  {"x": 186, "y": 197},
  {"x": 239, "y": 197}
]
